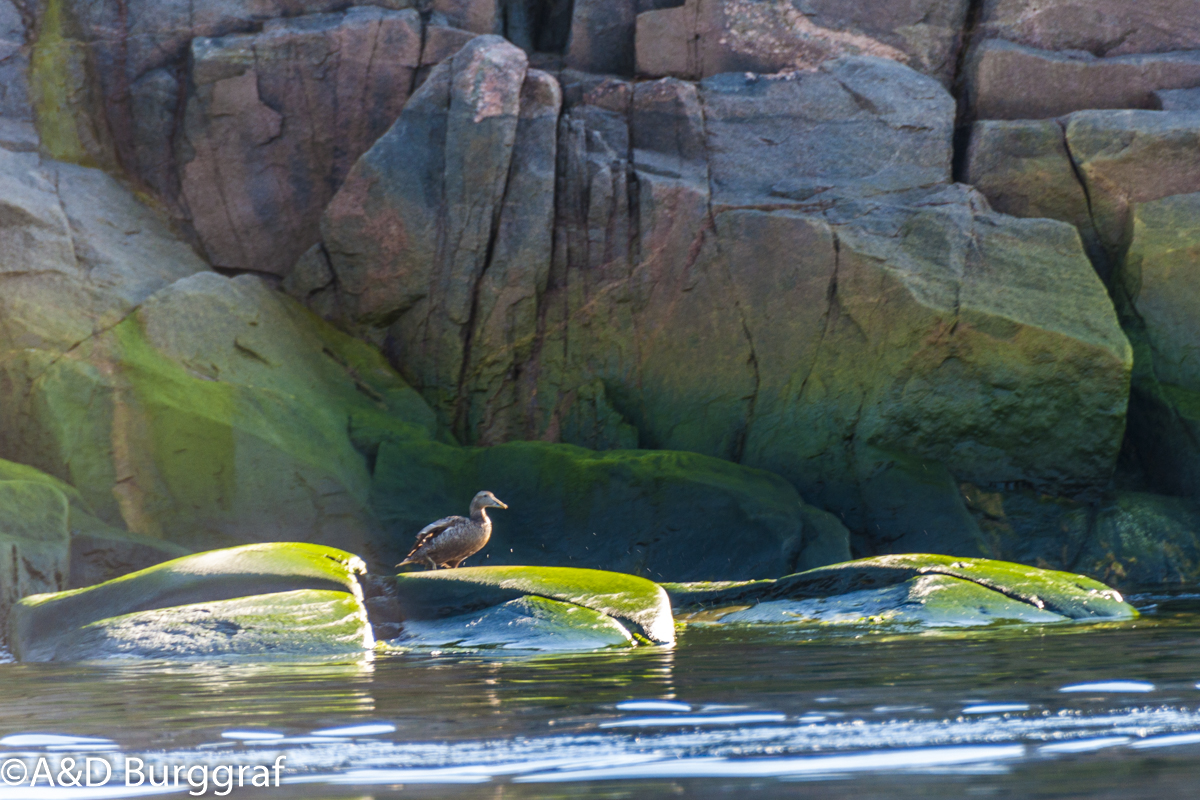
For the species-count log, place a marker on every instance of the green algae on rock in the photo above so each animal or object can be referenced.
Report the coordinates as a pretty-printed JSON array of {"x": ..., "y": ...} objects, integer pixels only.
[
  {"x": 932, "y": 589},
  {"x": 301, "y": 623},
  {"x": 34, "y": 540},
  {"x": 634, "y": 601},
  {"x": 42, "y": 625},
  {"x": 526, "y": 623},
  {"x": 658, "y": 514},
  {"x": 928, "y": 600}
]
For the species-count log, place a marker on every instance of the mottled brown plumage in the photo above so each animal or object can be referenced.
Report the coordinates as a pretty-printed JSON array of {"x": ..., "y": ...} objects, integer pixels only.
[{"x": 451, "y": 540}]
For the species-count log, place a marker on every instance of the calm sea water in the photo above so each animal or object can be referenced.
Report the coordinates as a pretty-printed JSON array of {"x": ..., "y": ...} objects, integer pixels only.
[{"x": 1097, "y": 711}]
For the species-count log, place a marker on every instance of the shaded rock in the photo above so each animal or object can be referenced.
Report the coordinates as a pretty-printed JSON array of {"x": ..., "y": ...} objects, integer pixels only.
[
  {"x": 1159, "y": 276},
  {"x": 101, "y": 553},
  {"x": 43, "y": 627},
  {"x": 297, "y": 624},
  {"x": 862, "y": 583},
  {"x": 275, "y": 120},
  {"x": 98, "y": 552},
  {"x": 1179, "y": 99},
  {"x": 1127, "y": 539},
  {"x": 1141, "y": 539},
  {"x": 1100, "y": 27},
  {"x": 706, "y": 37},
  {"x": 1157, "y": 281},
  {"x": 931, "y": 601},
  {"x": 1012, "y": 81},
  {"x": 34, "y": 541},
  {"x": 602, "y": 36},
  {"x": 630, "y": 600},
  {"x": 476, "y": 16},
  {"x": 914, "y": 506},
  {"x": 658, "y": 514},
  {"x": 526, "y": 623},
  {"x": 1024, "y": 169}
]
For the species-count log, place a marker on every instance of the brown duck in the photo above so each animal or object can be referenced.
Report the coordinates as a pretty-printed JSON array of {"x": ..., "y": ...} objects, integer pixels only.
[{"x": 451, "y": 540}]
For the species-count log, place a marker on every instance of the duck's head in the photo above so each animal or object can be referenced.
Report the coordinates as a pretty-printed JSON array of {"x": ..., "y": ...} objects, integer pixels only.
[{"x": 486, "y": 500}]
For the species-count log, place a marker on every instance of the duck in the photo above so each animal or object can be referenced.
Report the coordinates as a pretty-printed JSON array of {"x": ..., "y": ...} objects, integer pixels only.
[{"x": 452, "y": 540}]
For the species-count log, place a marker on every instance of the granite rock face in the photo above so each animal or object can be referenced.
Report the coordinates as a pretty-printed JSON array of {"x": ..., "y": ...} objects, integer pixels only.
[
  {"x": 1044, "y": 59},
  {"x": 719, "y": 254},
  {"x": 1158, "y": 281},
  {"x": 700, "y": 38},
  {"x": 275, "y": 120}
]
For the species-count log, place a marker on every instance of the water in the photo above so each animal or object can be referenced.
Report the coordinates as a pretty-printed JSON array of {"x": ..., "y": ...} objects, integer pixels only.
[{"x": 730, "y": 711}]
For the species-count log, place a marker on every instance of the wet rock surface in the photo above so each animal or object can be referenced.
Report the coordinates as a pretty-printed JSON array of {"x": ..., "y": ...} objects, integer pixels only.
[
  {"x": 909, "y": 589},
  {"x": 46, "y": 627}
]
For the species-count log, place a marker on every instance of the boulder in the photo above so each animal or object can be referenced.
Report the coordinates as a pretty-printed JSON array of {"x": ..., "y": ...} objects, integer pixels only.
[
  {"x": 275, "y": 120},
  {"x": 1005, "y": 80},
  {"x": 1159, "y": 277},
  {"x": 602, "y": 36},
  {"x": 1157, "y": 282},
  {"x": 1130, "y": 157},
  {"x": 1140, "y": 539},
  {"x": 1179, "y": 99},
  {"x": 526, "y": 623},
  {"x": 236, "y": 416},
  {"x": 700, "y": 38},
  {"x": 636, "y": 603},
  {"x": 928, "y": 601},
  {"x": 34, "y": 541},
  {"x": 98, "y": 552},
  {"x": 1100, "y": 27},
  {"x": 284, "y": 625},
  {"x": 1024, "y": 169},
  {"x": 915, "y": 588},
  {"x": 856, "y": 127},
  {"x": 46, "y": 627},
  {"x": 663, "y": 515}
]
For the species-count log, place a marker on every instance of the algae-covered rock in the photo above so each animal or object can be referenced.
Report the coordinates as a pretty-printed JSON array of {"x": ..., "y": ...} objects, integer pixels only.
[
  {"x": 526, "y": 623},
  {"x": 663, "y": 515},
  {"x": 635, "y": 602},
  {"x": 34, "y": 541},
  {"x": 300, "y": 623},
  {"x": 934, "y": 590},
  {"x": 929, "y": 600},
  {"x": 40, "y": 626},
  {"x": 99, "y": 552}
]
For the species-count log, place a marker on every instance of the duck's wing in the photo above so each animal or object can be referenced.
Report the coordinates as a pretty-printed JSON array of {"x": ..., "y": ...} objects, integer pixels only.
[{"x": 433, "y": 530}]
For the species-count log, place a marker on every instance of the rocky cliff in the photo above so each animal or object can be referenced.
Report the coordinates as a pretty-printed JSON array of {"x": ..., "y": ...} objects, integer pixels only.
[{"x": 713, "y": 289}]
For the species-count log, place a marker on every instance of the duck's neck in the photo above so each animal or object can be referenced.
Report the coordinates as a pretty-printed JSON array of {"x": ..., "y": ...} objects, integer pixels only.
[{"x": 479, "y": 515}]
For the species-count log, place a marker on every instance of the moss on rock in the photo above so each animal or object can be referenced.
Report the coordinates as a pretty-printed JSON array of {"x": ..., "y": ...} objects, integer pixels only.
[
  {"x": 42, "y": 625},
  {"x": 664, "y": 515},
  {"x": 635, "y": 601},
  {"x": 526, "y": 623},
  {"x": 295, "y": 624},
  {"x": 1063, "y": 594},
  {"x": 928, "y": 600},
  {"x": 34, "y": 540}
]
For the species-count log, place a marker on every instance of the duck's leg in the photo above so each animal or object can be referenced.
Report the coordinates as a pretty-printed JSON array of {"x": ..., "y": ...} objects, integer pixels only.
[
  {"x": 454, "y": 564},
  {"x": 430, "y": 562}
]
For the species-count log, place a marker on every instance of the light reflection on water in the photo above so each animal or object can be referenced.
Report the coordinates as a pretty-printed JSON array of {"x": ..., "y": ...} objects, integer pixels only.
[{"x": 727, "y": 710}]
